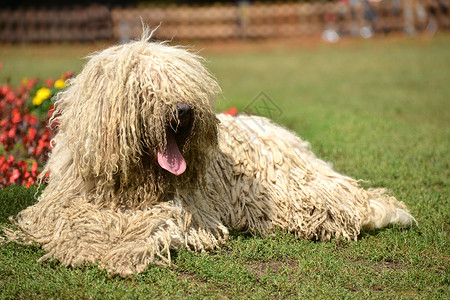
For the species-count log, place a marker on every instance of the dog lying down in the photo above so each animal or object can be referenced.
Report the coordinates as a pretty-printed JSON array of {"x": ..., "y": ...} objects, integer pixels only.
[{"x": 142, "y": 165}]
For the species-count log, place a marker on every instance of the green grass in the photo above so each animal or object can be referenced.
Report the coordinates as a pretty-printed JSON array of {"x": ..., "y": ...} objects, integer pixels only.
[
  {"x": 378, "y": 109},
  {"x": 42, "y": 61}
]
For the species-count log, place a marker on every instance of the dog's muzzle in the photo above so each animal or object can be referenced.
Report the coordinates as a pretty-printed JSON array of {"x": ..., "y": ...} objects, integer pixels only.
[{"x": 172, "y": 160}]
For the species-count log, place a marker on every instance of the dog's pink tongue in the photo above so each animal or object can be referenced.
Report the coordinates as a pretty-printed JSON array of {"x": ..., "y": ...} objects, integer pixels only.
[{"x": 172, "y": 160}]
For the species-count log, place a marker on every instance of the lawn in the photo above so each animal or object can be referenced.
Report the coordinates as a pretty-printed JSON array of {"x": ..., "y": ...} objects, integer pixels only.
[{"x": 377, "y": 109}]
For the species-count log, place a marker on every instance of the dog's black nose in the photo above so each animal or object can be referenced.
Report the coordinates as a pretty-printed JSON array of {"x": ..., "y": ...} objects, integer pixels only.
[{"x": 184, "y": 111}]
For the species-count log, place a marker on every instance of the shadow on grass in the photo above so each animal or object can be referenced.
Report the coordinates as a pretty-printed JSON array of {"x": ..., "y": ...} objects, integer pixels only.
[{"x": 365, "y": 233}]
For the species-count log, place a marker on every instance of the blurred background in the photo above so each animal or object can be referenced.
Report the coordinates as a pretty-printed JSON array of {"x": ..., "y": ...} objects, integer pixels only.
[{"x": 83, "y": 21}]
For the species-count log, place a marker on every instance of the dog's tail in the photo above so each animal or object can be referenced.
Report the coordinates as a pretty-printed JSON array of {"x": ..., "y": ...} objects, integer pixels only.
[{"x": 385, "y": 209}]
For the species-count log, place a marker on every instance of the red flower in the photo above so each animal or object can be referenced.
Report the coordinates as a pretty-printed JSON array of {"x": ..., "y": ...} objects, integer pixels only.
[
  {"x": 31, "y": 82},
  {"x": 12, "y": 133},
  {"x": 14, "y": 176},
  {"x": 31, "y": 133},
  {"x": 4, "y": 90},
  {"x": 231, "y": 111},
  {"x": 3, "y": 138},
  {"x": 34, "y": 170},
  {"x": 30, "y": 119},
  {"x": 66, "y": 75},
  {"x": 10, "y": 97},
  {"x": 4, "y": 167},
  {"x": 49, "y": 83},
  {"x": 16, "y": 118},
  {"x": 42, "y": 144},
  {"x": 51, "y": 110},
  {"x": 29, "y": 182}
]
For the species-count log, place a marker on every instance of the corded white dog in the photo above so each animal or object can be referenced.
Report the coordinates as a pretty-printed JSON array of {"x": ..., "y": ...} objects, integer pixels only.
[{"x": 142, "y": 165}]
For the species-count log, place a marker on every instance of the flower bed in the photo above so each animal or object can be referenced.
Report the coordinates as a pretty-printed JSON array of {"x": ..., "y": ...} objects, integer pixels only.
[{"x": 24, "y": 132}]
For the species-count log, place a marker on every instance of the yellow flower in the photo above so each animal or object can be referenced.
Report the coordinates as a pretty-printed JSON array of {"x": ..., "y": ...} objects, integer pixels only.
[
  {"x": 60, "y": 84},
  {"x": 41, "y": 95},
  {"x": 24, "y": 80}
]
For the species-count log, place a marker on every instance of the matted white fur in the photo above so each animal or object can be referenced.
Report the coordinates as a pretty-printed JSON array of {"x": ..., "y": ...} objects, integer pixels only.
[{"x": 109, "y": 201}]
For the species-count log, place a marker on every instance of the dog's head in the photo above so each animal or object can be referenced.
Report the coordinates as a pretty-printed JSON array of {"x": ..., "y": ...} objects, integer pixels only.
[{"x": 140, "y": 116}]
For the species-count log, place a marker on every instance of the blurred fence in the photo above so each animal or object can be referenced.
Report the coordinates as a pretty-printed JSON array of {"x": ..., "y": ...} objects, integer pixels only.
[
  {"x": 75, "y": 24},
  {"x": 224, "y": 21}
]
